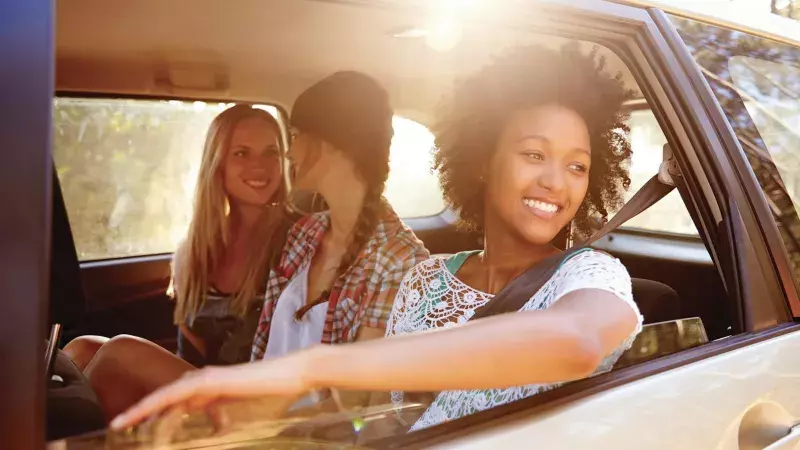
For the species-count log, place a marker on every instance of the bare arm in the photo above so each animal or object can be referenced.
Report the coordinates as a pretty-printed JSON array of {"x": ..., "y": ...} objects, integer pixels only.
[{"x": 565, "y": 342}]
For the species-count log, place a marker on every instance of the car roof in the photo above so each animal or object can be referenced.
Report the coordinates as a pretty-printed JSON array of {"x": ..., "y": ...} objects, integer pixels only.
[
  {"x": 270, "y": 51},
  {"x": 265, "y": 51},
  {"x": 750, "y": 16}
]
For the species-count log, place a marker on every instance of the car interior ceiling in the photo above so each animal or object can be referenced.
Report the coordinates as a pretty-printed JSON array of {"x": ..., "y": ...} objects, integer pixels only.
[{"x": 87, "y": 61}]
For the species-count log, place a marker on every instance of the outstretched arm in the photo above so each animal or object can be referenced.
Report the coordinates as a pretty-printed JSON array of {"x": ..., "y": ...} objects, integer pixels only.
[{"x": 564, "y": 342}]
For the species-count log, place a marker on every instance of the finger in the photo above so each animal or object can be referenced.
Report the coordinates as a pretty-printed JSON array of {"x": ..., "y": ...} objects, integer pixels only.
[
  {"x": 171, "y": 395},
  {"x": 167, "y": 426}
]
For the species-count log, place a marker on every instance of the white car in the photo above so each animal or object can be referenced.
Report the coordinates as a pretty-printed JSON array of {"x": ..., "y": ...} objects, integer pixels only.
[{"x": 716, "y": 263}]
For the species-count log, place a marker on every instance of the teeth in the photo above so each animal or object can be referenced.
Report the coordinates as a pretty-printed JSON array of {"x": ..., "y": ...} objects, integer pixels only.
[
  {"x": 548, "y": 207},
  {"x": 256, "y": 183}
]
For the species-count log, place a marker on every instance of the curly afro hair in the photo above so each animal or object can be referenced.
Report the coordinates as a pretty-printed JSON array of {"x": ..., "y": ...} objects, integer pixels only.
[{"x": 525, "y": 78}]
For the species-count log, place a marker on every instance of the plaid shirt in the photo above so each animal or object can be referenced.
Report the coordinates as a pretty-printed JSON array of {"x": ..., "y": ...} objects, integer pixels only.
[{"x": 363, "y": 295}]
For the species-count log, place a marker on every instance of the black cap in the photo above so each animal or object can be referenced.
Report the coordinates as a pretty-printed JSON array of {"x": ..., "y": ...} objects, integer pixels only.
[{"x": 349, "y": 110}]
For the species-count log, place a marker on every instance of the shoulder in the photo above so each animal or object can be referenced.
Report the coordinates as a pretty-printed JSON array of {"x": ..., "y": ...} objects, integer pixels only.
[
  {"x": 308, "y": 226},
  {"x": 591, "y": 260},
  {"x": 396, "y": 243},
  {"x": 427, "y": 269}
]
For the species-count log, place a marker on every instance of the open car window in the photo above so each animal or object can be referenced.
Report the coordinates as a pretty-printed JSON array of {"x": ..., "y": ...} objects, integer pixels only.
[{"x": 669, "y": 215}]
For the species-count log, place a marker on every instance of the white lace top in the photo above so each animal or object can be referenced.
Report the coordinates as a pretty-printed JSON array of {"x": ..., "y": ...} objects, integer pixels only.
[{"x": 431, "y": 297}]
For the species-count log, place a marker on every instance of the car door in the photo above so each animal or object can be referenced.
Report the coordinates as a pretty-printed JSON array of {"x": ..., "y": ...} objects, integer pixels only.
[
  {"x": 736, "y": 392},
  {"x": 26, "y": 49}
]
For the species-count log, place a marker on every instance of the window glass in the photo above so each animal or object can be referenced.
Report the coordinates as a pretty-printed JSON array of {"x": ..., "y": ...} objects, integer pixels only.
[
  {"x": 757, "y": 84},
  {"x": 647, "y": 142},
  {"x": 128, "y": 170},
  {"x": 770, "y": 93},
  {"x": 412, "y": 188}
]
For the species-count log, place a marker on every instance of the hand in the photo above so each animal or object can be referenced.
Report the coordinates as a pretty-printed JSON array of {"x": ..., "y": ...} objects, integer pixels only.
[{"x": 285, "y": 377}]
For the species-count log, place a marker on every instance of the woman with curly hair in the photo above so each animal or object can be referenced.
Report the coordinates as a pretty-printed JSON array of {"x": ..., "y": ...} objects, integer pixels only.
[{"x": 531, "y": 145}]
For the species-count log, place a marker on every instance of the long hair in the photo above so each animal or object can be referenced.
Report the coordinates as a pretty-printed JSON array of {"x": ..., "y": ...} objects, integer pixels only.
[{"x": 207, "y": 239}]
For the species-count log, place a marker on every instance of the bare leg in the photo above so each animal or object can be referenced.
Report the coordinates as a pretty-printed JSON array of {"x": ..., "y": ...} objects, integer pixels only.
[
  {"x": 82, "y": 349},
  {"x": 127, "y": 368}
]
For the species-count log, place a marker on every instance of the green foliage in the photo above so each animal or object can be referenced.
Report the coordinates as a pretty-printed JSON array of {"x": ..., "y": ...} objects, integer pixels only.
[
  {"x": 127, "y": 169},
  {"x": 757, "y": 84}
]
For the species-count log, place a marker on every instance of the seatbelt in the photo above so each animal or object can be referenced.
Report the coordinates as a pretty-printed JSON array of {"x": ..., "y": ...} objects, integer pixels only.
[
  {"x": 654, "y": 190},
  {"x": 516, "y": 293}
]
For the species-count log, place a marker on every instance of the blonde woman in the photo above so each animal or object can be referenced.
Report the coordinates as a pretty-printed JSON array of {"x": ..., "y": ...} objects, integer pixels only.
[{"x": 219, "y": 271}]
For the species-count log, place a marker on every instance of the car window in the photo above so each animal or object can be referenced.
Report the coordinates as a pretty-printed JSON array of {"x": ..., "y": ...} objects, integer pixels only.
[
  {"x": 412, "y": 188},
  {"x": 757, "y": 84},
  {"x": 669, "y": 215},
  {"x": 128, "y": 170}
]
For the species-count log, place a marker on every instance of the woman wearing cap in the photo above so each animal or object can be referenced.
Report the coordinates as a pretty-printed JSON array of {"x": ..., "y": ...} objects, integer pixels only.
[{"x": 339, "y": 270}]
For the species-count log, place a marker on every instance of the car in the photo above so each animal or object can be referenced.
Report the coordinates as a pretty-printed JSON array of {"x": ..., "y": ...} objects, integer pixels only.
[{"x": 136, "y": 83}]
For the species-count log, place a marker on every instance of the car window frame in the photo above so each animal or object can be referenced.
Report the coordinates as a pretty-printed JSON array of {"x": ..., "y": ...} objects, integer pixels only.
[
  {"x": 680, "y": 103},
  {"x": 752, "y": 239},
  {"x": 765, "y": 223}
]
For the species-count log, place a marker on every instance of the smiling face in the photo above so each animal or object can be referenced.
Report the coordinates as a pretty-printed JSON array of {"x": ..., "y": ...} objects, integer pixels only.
[
  {"x": 539, "y": 173},
  {"x": 252, "y": 166}
]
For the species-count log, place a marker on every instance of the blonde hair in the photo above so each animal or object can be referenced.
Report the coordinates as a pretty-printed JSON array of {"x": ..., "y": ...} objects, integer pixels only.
[{"x": 207, "y": 237}]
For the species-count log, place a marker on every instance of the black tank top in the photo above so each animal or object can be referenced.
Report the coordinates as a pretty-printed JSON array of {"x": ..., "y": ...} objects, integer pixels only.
[{"x": 228, "y": 336}]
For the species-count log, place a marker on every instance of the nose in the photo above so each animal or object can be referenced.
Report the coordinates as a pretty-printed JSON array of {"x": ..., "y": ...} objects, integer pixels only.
[{"x": 552, "y": 177}]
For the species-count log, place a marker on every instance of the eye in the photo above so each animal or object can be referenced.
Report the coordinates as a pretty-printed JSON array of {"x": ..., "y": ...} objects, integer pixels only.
[
  {"x": 578, "y": 167},
  {"x": 533, "y": 155},
  {"x": 241, "y": 152}
]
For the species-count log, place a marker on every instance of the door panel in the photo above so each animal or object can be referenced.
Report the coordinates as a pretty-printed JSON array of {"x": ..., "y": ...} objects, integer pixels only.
[
  {"x": 697, "y": 406},
  {"x": 128, "y": 296}
]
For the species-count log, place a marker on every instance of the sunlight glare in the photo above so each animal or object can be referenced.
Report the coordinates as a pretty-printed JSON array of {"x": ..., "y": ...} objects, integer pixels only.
[
  {"x": 445, "y": 30},
  {"x": 444, "y": 36}
]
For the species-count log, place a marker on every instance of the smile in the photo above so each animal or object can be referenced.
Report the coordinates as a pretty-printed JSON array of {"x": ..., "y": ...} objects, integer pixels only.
[
  {"x": 542, "y": 209},
  {"x": 256, "y": 184}
]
